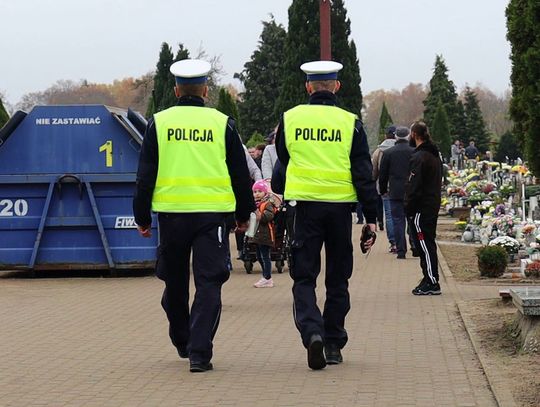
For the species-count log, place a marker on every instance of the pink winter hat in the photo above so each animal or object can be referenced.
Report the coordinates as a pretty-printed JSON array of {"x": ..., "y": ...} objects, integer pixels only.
[{"x": 260, "y": 185}]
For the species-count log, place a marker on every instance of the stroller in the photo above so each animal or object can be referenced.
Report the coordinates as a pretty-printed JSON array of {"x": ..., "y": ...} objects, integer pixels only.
[{"x": 280, "y": 252}]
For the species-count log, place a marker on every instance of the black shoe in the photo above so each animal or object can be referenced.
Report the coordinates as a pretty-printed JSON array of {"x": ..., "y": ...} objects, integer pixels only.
[
  {"x": 401, "y": 256},
  {"x": 183, "y": 353},
  {"x": 315, "y": 355},
  {"x": 381, "y": 226},
  {"x": 198, "y": 367},
  {"x": 333, "y": 354},
  {"x": 427, "y": 288},
  {"x": 415, "y": 253}
]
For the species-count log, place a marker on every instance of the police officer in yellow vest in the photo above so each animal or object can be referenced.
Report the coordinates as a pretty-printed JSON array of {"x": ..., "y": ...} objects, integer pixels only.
[
  {"x": 193, "y": 173},
  {"x": 328, "y": 170}
]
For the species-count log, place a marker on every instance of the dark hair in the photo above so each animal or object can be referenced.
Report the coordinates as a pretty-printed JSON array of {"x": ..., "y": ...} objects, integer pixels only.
[
  {"x": 421, "y": 130},
  {"x": 191, "y": 89},
  {"x": 260, "y": 147}
]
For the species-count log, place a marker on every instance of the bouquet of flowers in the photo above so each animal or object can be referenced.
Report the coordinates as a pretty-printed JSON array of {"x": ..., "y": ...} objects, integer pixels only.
[
  {"x": 505, "y": 225},
  {"x": 508, "y": 243}
]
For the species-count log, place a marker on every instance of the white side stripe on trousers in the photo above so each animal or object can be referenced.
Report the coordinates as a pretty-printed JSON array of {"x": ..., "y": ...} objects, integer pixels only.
[{"x": 424, "y": 248}]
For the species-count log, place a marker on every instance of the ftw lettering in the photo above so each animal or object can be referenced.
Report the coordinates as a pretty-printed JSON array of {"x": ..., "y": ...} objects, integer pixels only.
[
  {"x": 125, "y": 222},
  {"x": 317, "y": 134},
  {"x": 190, "y": 135}
]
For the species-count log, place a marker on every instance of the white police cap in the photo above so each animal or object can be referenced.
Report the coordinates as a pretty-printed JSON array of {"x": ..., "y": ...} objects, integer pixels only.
[
  {"x": 190, "y": 71},
  {"x": 321, "y": 70}
]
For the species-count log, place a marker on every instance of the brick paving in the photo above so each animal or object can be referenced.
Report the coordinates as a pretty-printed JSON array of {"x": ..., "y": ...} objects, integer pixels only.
[{"x": 103, "y": 342}]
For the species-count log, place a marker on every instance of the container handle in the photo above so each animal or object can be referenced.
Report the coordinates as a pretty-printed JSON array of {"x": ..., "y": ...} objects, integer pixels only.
[{"x": 69, "y": 179}]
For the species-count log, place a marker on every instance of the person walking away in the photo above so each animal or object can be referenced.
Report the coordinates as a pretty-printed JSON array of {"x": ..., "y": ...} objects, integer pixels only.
[
  {"x": 193, "y": 173},
  {"x": 472, "y": 154},
  {"x": 392, "y": 177},
  {"x": 376, "y": 159},
  {"x": 455, "y": 152},
  {"x": 269, "y": 157},
  {"x": 422, "y": 204},
  {"x": 328, "y": 168},
  {"x": 264, "y": 237}
]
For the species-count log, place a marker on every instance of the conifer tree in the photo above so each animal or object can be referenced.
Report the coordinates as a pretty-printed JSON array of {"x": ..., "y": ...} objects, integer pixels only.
[
  {"x": 460, "y": 127},
  {"x": 474, "y": 122},
  {"x": 163, "y": 95},
  {"x": 442, "y": 89},
  {"x": 524, "y": 36},
  {"x": 508, "y": 148},
  {"x": 385, "y": 120},
  {"x": 227, "y": 105},
  {"x": 261, "y": 77},
  {"x": 440, "y": 130},
  {"x": 4, "y": 117},
  {"x": 302, "y": 45}
]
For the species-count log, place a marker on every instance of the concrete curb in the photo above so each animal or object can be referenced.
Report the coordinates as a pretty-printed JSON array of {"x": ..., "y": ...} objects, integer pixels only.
[{"x": 497, "y": 382}]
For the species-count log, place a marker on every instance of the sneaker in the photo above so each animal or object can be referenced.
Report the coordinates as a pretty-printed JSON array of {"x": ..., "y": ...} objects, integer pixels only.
[
  {"x": 264, "y": 283},
  {"x": 401, "y": 256},
  {"x": 427, "y": 288},
  {"x": 415, "y": 253},
  {"x": 392, "y": 249},
  {"x": 381, "y": 226}
]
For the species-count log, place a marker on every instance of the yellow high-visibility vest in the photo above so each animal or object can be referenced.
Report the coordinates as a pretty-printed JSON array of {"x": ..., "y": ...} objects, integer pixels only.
[
  {"x": 319, "y": 142},
  {"x": 192, "y": 172}
]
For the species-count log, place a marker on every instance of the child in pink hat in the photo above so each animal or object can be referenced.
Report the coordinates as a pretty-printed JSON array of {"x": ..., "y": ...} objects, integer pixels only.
[{"x": 264, "y": 236}]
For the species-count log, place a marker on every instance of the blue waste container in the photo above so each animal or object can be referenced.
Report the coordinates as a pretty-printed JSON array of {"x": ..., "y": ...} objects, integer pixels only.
[{"x": 67, "y": 178}]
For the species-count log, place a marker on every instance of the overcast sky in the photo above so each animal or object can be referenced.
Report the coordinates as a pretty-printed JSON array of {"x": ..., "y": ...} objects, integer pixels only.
[{"x": 42, "y": 41}]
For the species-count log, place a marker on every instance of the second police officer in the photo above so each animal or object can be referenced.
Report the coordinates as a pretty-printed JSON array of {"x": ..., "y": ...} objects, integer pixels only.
[
  {"x": 193, "y": 173},
  {"x": 328, "y": 168}
]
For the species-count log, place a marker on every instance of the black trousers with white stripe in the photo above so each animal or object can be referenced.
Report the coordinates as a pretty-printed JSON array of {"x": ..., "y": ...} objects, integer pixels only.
[
  {"x": 204, "y": 235},
  {"x": 425, "y": 228}
]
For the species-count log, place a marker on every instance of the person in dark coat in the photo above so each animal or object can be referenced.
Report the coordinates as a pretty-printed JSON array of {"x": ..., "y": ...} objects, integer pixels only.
[
  {"x": 392, "y": 177},
  {"x": 422, "y": 204}
]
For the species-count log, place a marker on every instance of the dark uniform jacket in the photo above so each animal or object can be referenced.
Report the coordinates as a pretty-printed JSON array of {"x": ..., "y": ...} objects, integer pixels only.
[
  {"x": 423, "y": 190},
  {"x": 361, "y": 168},
  {"x": 148, "y": 167},
  {"x": 395, "y": 170}
]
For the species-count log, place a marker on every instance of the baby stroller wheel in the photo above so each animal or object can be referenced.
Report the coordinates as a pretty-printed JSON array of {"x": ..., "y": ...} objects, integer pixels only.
[
  {"x": 279, "y": 266},
  {"x": 248, "y": 265}
]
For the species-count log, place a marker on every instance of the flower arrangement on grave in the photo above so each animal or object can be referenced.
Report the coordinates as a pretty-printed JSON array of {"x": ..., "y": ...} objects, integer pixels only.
[
  {"x": 508, "y": 243},
  {"x": 506, "y": 190},
  {"x": 533, "y": 269}
]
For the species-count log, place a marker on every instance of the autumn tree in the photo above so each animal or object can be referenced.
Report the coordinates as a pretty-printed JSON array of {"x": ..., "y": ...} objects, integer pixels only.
[
  {"x": 385, "y": 120},
  {"x": 440, "y": 130},
  {"x": 474, "y": 122},
  {"x": 524, "y": 36},
  {"x": 261, "y": 77},
  {"x": 4, "y": 117},
  {"x": 302, "y": 45},
  {"x": 442, "y": 89}
]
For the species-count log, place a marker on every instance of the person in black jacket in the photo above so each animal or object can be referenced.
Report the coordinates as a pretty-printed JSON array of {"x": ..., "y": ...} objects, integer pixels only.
[
  {"x": 193, "y": 172},
  {"x": 422, "y": 203},
  {"x": 392, "y": 177}
]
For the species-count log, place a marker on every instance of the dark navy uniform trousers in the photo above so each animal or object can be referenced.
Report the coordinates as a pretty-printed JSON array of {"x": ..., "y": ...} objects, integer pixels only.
[
  {"x": 318, "y": 223},
  {"x": 202, "y": 234}
]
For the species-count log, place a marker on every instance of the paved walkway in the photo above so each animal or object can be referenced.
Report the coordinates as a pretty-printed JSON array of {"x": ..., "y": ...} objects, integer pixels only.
[{"x": 103, "y": 342}]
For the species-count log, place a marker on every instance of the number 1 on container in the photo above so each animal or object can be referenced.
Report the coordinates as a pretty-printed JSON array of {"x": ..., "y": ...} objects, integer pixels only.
[{"x": 107, "y": 147}]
